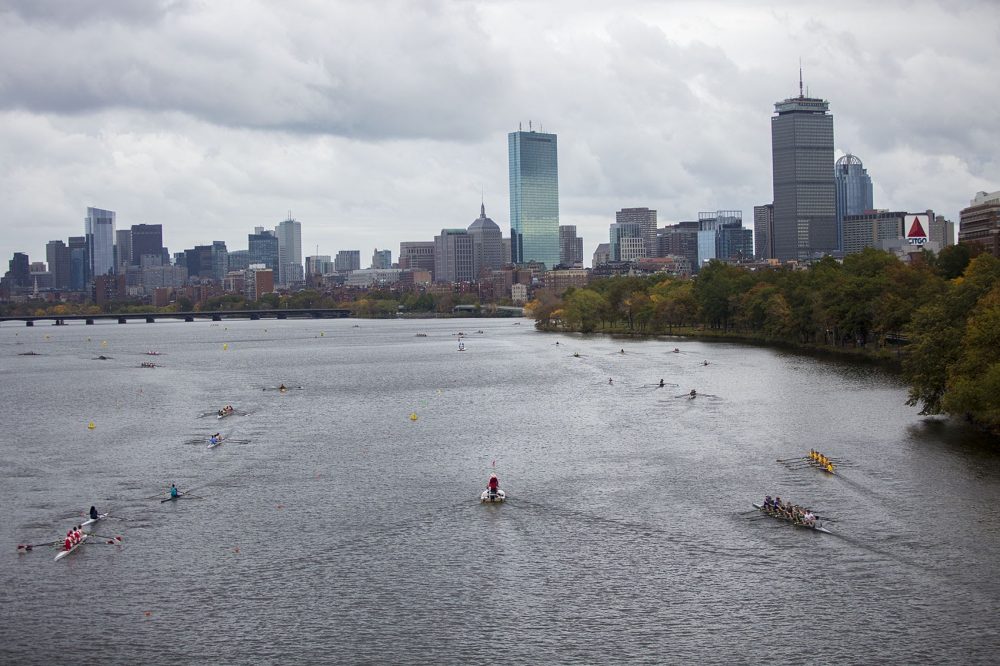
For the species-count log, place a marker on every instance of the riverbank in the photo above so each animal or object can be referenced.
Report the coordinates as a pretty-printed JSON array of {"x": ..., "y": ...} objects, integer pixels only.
[{"x": 887, "y": 357}]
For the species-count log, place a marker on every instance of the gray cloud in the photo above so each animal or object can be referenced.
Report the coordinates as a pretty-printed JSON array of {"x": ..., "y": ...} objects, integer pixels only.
[{"x": 380, "y": 122}]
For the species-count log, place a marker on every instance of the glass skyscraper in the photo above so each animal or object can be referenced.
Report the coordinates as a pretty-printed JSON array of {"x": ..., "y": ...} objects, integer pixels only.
[
  {"x": 534, "y": 197},
  {"x": 854, "y": 191},
  {"x": 805, "y": 207},
  {"x": 99, "y": 230}
]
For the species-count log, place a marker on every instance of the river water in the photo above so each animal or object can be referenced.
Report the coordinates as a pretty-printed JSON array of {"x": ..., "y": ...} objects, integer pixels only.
[{"x": 333, "y": 528}]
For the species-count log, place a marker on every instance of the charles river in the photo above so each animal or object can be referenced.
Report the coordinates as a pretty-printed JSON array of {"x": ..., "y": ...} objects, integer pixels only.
[{"x": 332, "y": 527}]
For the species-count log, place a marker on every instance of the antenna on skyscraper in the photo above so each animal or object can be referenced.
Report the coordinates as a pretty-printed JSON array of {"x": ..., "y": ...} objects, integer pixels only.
[
  {"x": 800, "y": 77},
  {"x": 519, "y": 128},
  {"x": 529, "y": 127}
]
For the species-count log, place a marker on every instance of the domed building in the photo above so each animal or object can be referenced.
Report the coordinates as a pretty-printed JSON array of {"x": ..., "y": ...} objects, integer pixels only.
[{"x": 487, "y": 244}]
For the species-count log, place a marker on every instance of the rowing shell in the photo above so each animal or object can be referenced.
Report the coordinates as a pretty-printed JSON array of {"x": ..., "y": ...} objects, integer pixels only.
[
  {"x": 486, "y": 499},
  {"x": 818, "y": 527},
  {"x": 64, "y": 553},
  {"x": 225, "y": 414},
  {"x": 91, "y": 521}
]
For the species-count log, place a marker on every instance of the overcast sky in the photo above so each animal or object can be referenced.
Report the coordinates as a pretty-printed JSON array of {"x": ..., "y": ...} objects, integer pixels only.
[{"x": 378, "y": 122}]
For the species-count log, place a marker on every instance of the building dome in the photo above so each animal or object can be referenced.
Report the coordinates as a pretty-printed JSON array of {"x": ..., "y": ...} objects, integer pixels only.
[
  {"x": 483, "y": 223},
  {"x": 849, "y": 160}
]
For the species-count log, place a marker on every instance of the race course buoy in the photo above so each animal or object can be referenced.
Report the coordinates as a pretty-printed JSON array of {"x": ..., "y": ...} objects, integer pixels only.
[
  {"x": 413, "y": 416},
  {"x": 91, "y": 426},
  {"x": 225, "y": 346}
]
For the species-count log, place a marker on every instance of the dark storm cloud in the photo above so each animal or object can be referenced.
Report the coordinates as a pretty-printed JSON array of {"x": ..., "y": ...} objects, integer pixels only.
[
  {"x": 76, "y": 12},
  {"x": 350, "y": 71}
]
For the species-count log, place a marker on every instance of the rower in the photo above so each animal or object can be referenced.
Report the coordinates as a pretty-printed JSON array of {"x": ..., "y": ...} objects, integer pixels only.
[
  {"x": 661, "y": 383},
  {"x": 622, "y": 351},
  {"x": 693, "y": 393},
  {"x": 68, "y": 544},
  {"x": 281, "y": 388},
  {"x": 93, "y": 513},
  {"x": 609, "y": 381},
  {"x": 173, "y": 491},
  {"x": 493, "y": 486}
]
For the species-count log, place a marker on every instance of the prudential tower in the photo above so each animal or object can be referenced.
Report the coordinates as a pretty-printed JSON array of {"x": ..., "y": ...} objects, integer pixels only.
[
  {"x": 534, "y": 197},
  {"x": 805, "y": 203}
]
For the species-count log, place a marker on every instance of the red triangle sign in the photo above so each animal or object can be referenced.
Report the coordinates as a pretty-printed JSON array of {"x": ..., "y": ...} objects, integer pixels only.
[{"x": 916, "y": 229}]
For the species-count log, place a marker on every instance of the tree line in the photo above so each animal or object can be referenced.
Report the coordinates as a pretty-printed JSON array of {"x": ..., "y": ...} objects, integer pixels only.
[{"x": 940, "y": 316}]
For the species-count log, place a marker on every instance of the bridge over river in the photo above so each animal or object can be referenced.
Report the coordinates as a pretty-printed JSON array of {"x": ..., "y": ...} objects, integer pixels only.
[{"x": 214, "y": 315}]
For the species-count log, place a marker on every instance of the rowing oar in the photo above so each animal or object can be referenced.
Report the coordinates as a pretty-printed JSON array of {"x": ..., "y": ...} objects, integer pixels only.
[
  {"x": 112, "y": 540},
  {"x": 27, "y": 547}
]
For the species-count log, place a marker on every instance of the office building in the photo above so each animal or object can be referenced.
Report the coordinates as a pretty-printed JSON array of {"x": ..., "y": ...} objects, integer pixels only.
[
  {"x": 602, "y": 254},
  {"x": 679, "y": 240},
  {"x": 198, "y": 262},
  {"x": 721, "y": 236},
  {"x": 942, "y": 231},
  {"x": 570, "y": 246},
  {"x": 417, "y": 255},
  {"x": 238, "y": 260},
  {"x": 453, "y": 256},
  {"x": 99, "y": 229},
  {"x": 319, "y": 265},
  {"x": 123, "y": 250},
  {"x": 646, "y": 219},
  {"x": 259, "y": 281},
  {"x": 347, "y": 260},
  {"x": 58, "y": 257},
  {"x": 19, "y": 274},
  {"x": 805, "y": 205},
  {"x": 147, "y": 240},
  {"x": 627, "y": 243},
  {"x": 381, "y": 259},
  {"x": 79, "y": 258},
  {"x": 289, "y": 234},
  {"x": 763, "y": 231},
  {"x": 220, "y": 261},
  {"x": 870, "y": 229},
  {"x": 979, "y": 224},
  {"x": 854, "y": 190},
  {"x": 487, "y": 245},
  {"x": 262, "y": 249},
  {"x": 534, "y": 197}
]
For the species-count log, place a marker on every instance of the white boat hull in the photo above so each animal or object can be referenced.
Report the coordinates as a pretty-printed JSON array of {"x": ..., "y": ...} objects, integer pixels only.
[
  {"x": 91, "y": 521},
  {"x": 63, "y": 553},
  {"x": 499, "y": 497}
]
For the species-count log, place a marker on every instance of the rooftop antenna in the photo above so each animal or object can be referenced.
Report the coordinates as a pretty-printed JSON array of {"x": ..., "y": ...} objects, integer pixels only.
[
  {"x": 529, "y": 127},
  {"x": 519, "y": 128},
  {"x": 800, "y": 77}
]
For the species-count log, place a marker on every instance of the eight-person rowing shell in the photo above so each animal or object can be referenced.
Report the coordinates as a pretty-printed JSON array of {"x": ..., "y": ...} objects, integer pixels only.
[{"x": 793, "y": 513}]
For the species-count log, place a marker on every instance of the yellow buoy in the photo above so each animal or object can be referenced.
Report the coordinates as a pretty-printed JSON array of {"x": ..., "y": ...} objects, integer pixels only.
[
  {"x": 91, "y": 426},
  {"x": 104, "y": 343},
  {"x": 322, "y": 333},
  {"x": 225, "y": 346},
  {"x": 413, "y": 416}
]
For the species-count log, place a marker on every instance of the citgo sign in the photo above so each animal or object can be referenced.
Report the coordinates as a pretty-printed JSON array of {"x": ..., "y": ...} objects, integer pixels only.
[{"x": 915, "y": 227}]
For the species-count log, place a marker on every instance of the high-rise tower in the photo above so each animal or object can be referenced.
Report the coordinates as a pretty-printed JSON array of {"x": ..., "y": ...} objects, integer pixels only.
[
  {"x": 854, "y": 191},
  {"x": 99, "y": 228},
  {"x": 534, "y": 197},
  {"x": 289, "y": 233},
  {"x": 805, "y": 208}
]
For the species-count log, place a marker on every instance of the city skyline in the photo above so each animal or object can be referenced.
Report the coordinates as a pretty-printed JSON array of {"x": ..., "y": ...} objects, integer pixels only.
[{"x": 367, "y": 161}]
